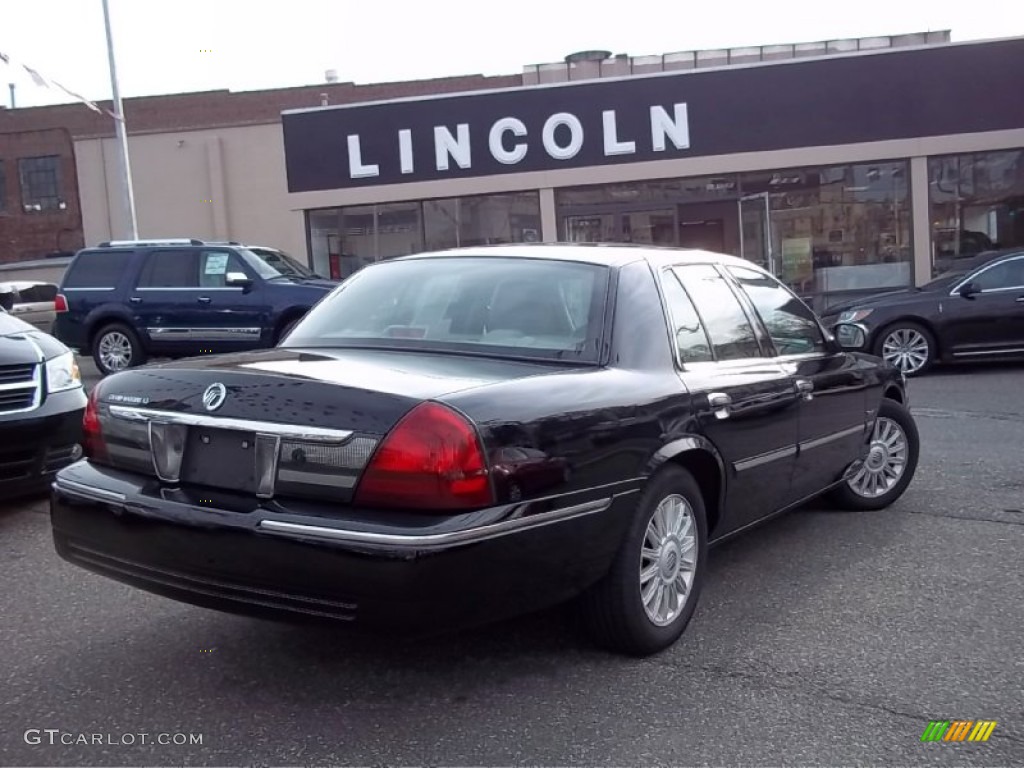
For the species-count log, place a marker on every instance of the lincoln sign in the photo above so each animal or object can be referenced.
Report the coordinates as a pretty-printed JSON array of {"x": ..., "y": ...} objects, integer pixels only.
[{"x": 801, "y": 103}]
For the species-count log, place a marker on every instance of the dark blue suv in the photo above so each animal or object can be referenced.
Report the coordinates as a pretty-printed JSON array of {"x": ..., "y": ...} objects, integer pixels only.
[{"x": 125, "y": 301}]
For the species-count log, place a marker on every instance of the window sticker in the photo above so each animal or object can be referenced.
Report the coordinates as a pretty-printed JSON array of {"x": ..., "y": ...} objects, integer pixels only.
[{"x": 216, "y": 263}]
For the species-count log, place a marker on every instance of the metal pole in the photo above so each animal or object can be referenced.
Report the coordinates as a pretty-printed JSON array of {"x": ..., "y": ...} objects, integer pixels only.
[
  {"x": 127, "y": 193},
  {"x": 13, "y": 103}
]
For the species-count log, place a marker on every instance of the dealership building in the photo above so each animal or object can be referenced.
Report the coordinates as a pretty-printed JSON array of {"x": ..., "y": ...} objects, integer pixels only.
[{"x": 843, "y": 166}]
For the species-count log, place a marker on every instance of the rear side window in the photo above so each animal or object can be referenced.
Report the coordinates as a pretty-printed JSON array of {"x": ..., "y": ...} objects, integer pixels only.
[
  {"x": 37, "y": 294},
  {"x": 790, "y": 324},
  {"x": 97, "y": 269},
  {"x": 732, "y": 335},
  {"x": 169, "y": 269},
  {"x": 689, "y": 336}
]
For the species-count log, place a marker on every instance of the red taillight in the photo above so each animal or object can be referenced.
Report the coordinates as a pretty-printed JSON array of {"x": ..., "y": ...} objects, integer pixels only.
[
  {"x": 92, "y": 433},
  {"x": 60, "y": 303},
  {"x": 430, "y": 460}
]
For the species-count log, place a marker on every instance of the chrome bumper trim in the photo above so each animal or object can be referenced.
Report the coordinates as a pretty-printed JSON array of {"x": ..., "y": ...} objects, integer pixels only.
[
  {"x": 434, "y": 540},
  {"x": 88, "y": 492}
]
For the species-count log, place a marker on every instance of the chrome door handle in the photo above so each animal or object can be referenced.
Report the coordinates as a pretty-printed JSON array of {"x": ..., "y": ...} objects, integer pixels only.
[
  {"x": 135, "y": 299},
  {"x": 203, "y": 299},
  {"x": 804, "y": 388},
  {"x": 1020, "y": 299},
  {"x": 720, "y": 403}
]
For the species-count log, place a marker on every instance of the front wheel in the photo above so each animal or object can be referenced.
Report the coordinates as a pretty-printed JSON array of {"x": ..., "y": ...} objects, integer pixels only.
[
  {"x": 883, "y": 475},
  {"x": 643, "y": 604},
  {"x": 907, "y": 346}
]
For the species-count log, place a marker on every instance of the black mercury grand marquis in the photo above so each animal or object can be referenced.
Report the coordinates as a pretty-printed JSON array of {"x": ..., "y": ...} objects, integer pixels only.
[{"x": 451, "y": 438}]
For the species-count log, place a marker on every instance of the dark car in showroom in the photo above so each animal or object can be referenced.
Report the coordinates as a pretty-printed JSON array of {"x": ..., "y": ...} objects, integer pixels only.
[
  {"x": 456, "y": 437},
  {"x": 42, "y": 403},
  {"x": 125, "y": 301},
  {"x": 971, "y": 313}
]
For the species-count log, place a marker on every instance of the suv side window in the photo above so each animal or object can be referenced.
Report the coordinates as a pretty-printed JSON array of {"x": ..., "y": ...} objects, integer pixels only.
[
  {"x": 790, "y": 324},
  {"x": 169, "y": 269},
  {"x": 97, "y": 269},
  {"x": 1009, "y": 274},
  {"x": 214, "y": 267},
  {"x": 688, "y": 334},
  {"x": 731, "y": 332}
]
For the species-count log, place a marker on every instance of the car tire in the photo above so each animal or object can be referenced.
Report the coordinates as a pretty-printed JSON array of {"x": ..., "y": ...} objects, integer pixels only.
[
  {"x": 613, "y": 610},
  {"x": 894, "y": 440},
  {"x": 908, "y": 346},
  {"x": 116, "y": 347}
]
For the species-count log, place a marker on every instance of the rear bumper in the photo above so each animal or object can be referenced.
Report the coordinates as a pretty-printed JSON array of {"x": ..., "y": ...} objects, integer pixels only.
[
  {"x": 403, "y": 573},
  {"x": 34, "y": 446}
]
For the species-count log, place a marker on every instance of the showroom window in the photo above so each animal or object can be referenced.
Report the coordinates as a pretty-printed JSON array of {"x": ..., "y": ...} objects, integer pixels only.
[
  {"x": 976, "y": 204},
  {"x": 344, "y": 240},
  {"x": 829, "y": 233}
]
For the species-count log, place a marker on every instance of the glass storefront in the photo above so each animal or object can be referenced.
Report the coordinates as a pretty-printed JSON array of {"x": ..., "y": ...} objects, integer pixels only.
[
  {"x": 344, "y": 240},
  {"x": 829, "y": 232},
  {"x": 976, "y": 204}
]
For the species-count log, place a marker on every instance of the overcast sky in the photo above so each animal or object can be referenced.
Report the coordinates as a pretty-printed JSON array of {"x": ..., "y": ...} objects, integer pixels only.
[{"x": 191, "y": 45}]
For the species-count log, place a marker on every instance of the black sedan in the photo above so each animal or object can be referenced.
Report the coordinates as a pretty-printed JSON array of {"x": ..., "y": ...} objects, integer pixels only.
[
  {"x": 456, "y": 437},
  {"x": 972, "y": 313}
]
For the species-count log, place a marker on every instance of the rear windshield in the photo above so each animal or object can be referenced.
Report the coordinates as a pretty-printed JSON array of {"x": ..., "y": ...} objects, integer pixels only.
[
  {"x": 97, "y": 269},
  {"x": 533, "y": 308}
]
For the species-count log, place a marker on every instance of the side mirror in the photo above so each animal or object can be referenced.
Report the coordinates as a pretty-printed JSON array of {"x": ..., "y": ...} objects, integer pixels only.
[
  {"x": 238, "y": 280},
  {"x": 968, "y": 290},
  {"x": 850, "y": 336}
]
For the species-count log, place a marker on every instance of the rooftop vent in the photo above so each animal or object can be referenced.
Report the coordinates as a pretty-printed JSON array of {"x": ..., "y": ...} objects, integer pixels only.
[
  {"x": 573, "y": 58},
  {"x": 331, "y": 75}
]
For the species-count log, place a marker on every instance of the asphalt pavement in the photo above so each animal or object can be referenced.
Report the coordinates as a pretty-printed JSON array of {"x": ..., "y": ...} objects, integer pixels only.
[{"x": 821, "y": 638}]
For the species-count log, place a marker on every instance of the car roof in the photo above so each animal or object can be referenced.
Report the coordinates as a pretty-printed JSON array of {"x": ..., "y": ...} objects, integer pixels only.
[{"x": 603, "y": 254}]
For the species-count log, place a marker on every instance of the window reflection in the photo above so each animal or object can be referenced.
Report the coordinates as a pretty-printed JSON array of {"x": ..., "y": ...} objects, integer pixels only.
[
  {"x": 976, "y": 204},
  {"x": 732, "y": 335}
]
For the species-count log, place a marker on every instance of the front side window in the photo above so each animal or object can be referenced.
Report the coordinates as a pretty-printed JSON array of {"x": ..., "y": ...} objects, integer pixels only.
[
  {"x": 732, "y": 335},
  {"x": 215, "y": 266},
  {"x": 40, "y": 183},
  {"x": 688, "y": 334},
  {"x": 790, "y": 324},
  {"x": 169, "y": 269},
  {"x": 491, "y": 305},
  {"x": 97, "y": 269},
  {"x": 1009, "y": 274}
]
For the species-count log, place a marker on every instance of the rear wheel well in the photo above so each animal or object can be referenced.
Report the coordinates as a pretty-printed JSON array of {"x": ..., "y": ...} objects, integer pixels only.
[
  {"x": 706, "y": 471},
  {"x": 97, "y": 325}
]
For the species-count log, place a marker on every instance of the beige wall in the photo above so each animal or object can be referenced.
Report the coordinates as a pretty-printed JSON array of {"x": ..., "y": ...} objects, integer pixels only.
[{"x": 223, "y": 184}]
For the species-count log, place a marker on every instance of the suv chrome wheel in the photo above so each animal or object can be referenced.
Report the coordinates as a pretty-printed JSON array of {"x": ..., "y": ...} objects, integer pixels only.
[
  {"x": 907, "y": 349},
  {"x": 668, "y": 560},
  {"x": 115, "y": 351}
]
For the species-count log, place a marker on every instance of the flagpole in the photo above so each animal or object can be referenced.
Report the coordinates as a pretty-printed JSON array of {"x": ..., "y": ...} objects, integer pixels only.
[{"x": 127, "y": 193}]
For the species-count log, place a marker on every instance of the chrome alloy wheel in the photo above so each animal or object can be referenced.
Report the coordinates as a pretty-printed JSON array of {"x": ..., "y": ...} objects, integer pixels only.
[
  {"x": 883, "y": 467},
  {"x": 668, "y": 560},
  {"x": 115, "y": 351},
  {"x": 907, "y": 349}
]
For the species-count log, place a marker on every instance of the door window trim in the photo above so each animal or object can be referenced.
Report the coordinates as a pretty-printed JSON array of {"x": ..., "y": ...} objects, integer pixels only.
[{"x": 974, "y": 275}]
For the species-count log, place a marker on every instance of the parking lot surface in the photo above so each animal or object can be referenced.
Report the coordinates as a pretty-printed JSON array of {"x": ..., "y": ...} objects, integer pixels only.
[{"x": 821, "y": 638}]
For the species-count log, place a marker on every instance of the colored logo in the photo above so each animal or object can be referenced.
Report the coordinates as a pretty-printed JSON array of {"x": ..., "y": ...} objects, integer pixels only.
[
  {"x": 958, "y": 730},
  {"x": 214, "y": 396}
]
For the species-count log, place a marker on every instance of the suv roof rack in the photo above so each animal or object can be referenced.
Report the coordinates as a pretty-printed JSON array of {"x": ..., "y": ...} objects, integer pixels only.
[{"x": 171, "y": 241}]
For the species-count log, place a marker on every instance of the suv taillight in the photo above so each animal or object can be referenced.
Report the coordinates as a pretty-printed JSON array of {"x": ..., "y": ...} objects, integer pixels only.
[
  {"x": 432, "y": 459},
  {"x": 92, "y": 432},
  {"x": 60, "y": 303}
]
